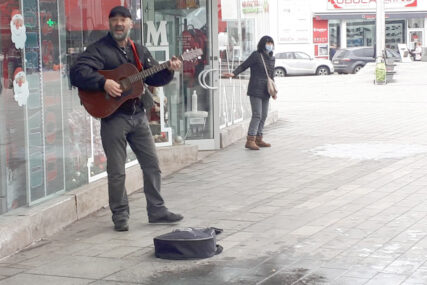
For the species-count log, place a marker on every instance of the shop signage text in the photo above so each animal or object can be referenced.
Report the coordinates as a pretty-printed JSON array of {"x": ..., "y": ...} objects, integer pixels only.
[
  {"x": 369, "y": 4},
  {"x": 154, "y": 35},
  {"x": 254, "y": 6},
  {"x": 320, "y": 31},
  {"x": 294, "y": 22}
]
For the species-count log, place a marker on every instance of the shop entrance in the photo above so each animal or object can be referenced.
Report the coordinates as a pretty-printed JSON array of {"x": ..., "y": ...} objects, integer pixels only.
[
  {"x": 415, "y": 32},
  {"x": 170, "y": 28}
]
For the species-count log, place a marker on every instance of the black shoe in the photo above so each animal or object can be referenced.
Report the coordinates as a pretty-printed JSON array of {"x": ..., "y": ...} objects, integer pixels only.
[
  {"x": 169, "y": 218},
  {"x": 121, "y": 226}
]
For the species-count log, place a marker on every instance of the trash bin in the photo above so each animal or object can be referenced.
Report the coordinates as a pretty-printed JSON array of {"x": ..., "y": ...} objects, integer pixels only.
[{"x": 380, "y": 73}]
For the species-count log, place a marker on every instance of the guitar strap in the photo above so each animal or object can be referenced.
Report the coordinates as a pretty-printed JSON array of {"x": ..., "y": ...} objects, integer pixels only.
[
  {"x": 135, "y": 55},
  {"x": 147, "y": 101}
]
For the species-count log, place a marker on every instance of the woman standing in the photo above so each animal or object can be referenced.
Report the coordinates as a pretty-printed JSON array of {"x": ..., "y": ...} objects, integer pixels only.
[{"x": 257, "y": 89}]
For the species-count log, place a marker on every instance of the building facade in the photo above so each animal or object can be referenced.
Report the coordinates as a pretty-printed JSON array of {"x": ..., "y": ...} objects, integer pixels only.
[
  {"x": 50, "y": 145},
  {"x": 330, "y": 24}
]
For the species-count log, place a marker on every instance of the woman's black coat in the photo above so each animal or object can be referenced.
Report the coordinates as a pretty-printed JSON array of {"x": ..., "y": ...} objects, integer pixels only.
[{"x": 258, "y": 79}]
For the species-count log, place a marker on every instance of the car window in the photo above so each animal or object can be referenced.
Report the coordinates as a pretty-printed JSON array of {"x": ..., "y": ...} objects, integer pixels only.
[
  {"x": 301, "y": 55},
  {"x": 284, "y": 55},
  {"x": 395, "y": 53},
  {"x": 391, "y": 53},
  {"x": 280, "y": 55},
  {"x": 364, "y": 52},
  {"x": 341, "y": 53}
]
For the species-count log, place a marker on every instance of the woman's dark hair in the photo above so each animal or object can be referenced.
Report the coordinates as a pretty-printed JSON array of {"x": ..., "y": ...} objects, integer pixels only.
[{"x": 263, "y": 41}]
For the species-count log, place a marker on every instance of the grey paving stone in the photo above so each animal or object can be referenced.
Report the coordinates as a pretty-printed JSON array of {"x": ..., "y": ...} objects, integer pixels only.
[
  {"x": 403, "y": 266},
  {"x": 105, "y": 282},
  {"x": 344, "y": 280},
  {"x": 389, "y": 279},
  {"x": 43, "y": 280},
  {"x": 82, "y": 267},
  {"x": 420, "y": 275},
  {"x": 9, "y": 271}
]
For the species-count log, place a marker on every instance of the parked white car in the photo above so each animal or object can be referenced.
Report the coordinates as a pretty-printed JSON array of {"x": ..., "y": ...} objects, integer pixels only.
[{"x": 299, "y": 63}]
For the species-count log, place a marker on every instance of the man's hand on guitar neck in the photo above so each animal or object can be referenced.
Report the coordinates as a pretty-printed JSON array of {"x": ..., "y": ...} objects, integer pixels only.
[{"x": 112, "y": 88}]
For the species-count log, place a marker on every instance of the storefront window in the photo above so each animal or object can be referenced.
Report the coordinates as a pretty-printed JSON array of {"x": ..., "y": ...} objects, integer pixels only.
[
  {"x": 360, "y": 33},
  {"x": 415, "y": 32},
  {"x": 86, "y": 22},
  {"x": 363, "y": 33},
  {"x": 334, "y": 37},
  {"x": 417, "y": 23},
  {"x": 334, "y": 33},
  {"x": 414, "y": 38},
  {"x": 15, "y": 85},
  {"x": 172, "y": 28},
  {"x": 48, "y": 143},
  {"x": 394, "y": 34}
]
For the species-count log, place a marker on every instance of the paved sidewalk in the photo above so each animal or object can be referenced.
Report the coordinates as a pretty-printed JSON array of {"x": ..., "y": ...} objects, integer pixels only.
[{"x": 340, "y": 198}]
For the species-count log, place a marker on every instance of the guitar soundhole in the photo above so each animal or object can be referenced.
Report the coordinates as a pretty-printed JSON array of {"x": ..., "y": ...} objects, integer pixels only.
[{"x": 125, "y": 84}]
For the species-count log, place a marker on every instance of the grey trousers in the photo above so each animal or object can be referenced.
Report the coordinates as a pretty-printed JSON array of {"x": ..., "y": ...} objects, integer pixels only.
[
  {"x": 259, "y": 108},
  {"x": 116, "y": 132}
]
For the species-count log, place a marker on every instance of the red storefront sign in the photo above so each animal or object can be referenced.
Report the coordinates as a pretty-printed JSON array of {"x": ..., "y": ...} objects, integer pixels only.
[
  {"x": 320, "y": 31},
  {"x": 88, "y": 15},
  {"x": 369, "y": 4}
]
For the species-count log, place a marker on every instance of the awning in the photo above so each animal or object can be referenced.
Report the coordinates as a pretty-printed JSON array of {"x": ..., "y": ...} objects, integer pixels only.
[{"x": 369, "y": 15}]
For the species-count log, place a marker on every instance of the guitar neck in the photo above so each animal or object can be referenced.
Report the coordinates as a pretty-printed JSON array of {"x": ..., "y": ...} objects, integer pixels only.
[{"x": 148, "y": 72}]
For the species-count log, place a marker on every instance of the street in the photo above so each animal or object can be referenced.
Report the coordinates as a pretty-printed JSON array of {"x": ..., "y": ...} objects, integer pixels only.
[{"x": 340, "y": 198}]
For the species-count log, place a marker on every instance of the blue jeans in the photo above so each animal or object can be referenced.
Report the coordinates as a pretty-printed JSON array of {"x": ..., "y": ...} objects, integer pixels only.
[{"x": 259, "y": 108}]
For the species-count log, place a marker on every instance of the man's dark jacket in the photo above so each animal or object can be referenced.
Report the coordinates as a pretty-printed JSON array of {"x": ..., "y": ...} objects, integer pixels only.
[
  {"x": 258, "y": 81},
  {"x": 105, "y": 54}
]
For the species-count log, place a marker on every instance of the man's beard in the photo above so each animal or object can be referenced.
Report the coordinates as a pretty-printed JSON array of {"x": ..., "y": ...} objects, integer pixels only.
[{"x": 121, "y": 37}]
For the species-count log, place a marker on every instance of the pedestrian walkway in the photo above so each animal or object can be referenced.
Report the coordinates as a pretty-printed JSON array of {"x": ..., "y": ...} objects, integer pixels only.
[{"x": 340, "y": 198}]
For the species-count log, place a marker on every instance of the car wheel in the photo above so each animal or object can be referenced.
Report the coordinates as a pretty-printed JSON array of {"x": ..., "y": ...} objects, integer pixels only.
[
  {"x": 279, "y": 72},
  {"x": 323, "y": 70},
  {"x": 357, "y": 69}
]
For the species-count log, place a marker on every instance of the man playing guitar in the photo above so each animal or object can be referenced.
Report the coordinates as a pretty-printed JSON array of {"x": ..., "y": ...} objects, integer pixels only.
[{"x": 127, "y": 124}]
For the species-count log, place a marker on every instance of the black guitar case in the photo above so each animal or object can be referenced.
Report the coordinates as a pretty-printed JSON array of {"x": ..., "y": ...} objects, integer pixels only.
[{"x": 188, "y": 243}]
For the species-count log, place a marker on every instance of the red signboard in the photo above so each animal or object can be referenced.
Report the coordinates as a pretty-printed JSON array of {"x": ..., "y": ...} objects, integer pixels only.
[
  {"x": 88, "y": 15},
  {"x": 320, "y": 31}
]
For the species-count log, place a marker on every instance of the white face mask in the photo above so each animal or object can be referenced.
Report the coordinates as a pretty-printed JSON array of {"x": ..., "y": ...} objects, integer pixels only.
[{"x": 269, "y": 48}]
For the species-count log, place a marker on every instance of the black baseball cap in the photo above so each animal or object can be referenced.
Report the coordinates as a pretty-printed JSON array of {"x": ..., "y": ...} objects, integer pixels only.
[{"x": 121, "y": 11}]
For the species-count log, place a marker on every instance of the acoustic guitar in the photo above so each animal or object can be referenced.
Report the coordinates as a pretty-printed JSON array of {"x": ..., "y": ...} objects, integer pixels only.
[{"x": 100, "y": 105}]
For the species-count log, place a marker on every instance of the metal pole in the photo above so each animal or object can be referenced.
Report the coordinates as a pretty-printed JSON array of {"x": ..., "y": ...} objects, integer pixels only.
[{"x": 380, "y": 30}]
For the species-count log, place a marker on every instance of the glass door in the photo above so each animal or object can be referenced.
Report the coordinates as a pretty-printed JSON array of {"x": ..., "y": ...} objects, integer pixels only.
[
  {"x": 415, "y": 32},
  {"x": 171, "y": 28}
]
